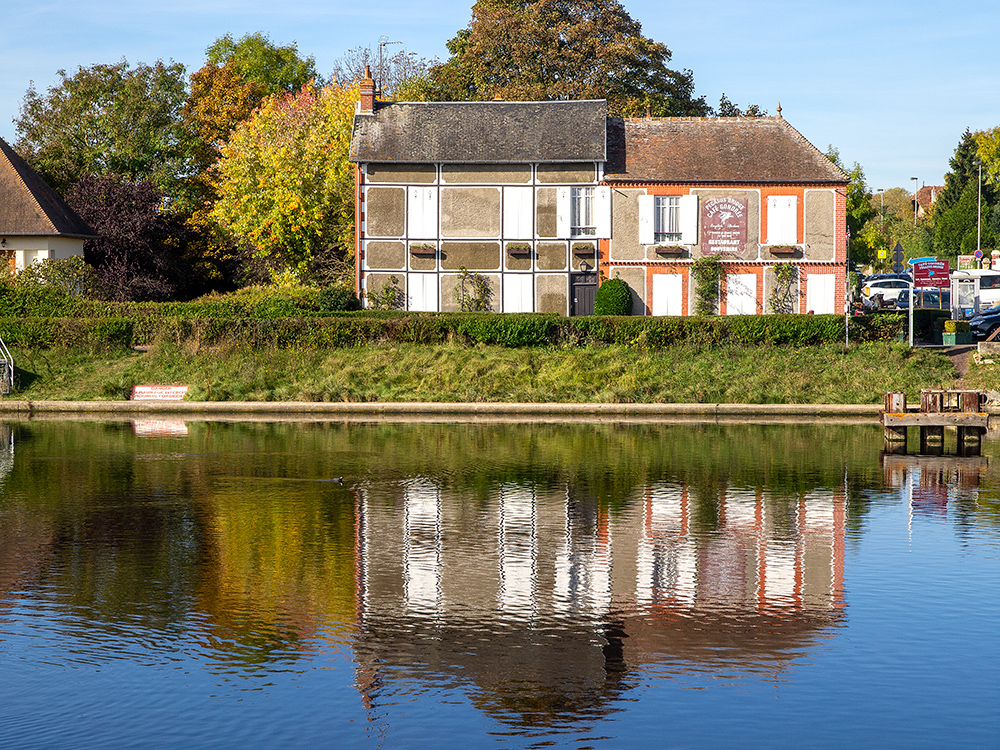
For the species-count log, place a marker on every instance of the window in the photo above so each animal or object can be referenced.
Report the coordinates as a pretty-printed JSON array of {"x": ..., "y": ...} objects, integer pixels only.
[
  {"x": 666, "y": 218},
  {"x": 582, "y": 212}
]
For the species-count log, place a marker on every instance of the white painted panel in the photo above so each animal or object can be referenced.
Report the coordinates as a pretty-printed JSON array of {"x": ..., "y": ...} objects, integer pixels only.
[
  {"x": 423, "y": 292},
  {"x": 779, "y": 573},
  {"x": 668, "y": 293},
  {"x": 518, "y": 292},
  {"x": 518, "y": 549},
  {"x": 782, "y": 224},
  {"x": 422, "y": 548},
  {"x": 820, "y": 288},
  {"x": 602, "y": 212},
  {"x": 563, "y": 213},
  {"x": 741, "y": 294},
  {"x": 646, "y": 226},
  {"x": 518, "y": 206},
  {"x": 689, "y": 219},
  {"x": 421, "y": 212}
]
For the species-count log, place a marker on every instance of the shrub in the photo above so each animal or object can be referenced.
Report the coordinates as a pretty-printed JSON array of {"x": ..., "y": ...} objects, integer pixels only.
[
  {"x": 707, "y": 274},
  {"x": 613, "y": 298},
  {"x": 338, "y": 299}
]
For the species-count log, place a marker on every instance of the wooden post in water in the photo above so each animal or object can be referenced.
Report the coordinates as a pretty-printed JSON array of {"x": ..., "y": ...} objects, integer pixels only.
[{"x": 895, "y": 437}]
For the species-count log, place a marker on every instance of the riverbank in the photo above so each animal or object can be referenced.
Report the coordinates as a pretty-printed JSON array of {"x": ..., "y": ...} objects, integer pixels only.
[{"x": 449, "y": 373}]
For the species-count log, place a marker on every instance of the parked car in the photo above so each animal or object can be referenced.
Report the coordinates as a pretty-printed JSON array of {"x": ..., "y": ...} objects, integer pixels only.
[
  {"x": 985, "y": 322},
  {"x": 888, "y": 290},
  {"x": 932, "y": 299}
]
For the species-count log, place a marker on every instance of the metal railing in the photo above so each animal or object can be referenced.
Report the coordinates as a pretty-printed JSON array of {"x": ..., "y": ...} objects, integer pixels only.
[{"x": 6, "y": 369}]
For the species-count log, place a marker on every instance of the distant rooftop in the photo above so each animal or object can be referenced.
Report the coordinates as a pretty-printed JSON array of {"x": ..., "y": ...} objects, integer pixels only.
[{"x": 28, "y": 206}]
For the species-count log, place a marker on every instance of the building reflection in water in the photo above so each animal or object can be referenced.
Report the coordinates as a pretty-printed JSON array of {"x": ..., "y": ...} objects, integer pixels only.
[
  {"x": 927, "y": 482},
  {"x": 549, "y": 603}
]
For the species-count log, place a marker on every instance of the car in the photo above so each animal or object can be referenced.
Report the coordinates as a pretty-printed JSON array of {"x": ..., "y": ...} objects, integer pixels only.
[
  {"x": 885, "y": 276},
  {"x": 927, "y": 299},
  {"x": 887, "y": 289},
  {"x": 985, "y": 322}
]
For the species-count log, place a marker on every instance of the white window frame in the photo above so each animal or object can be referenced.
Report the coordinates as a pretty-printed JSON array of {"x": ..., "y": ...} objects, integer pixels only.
[
  {"x": 685, "y": 210},
  {"x": 568, "y": 207}
]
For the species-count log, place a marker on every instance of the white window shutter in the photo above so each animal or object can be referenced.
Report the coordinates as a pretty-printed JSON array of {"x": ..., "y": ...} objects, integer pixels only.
[
  {"x": 688, "y": 210},
  {"x": 646, "y": 225},
  {"x": 414, "y": 212},
  {"x": 517, "y": 212},
  {"x": 517, "y": 293},
  {"x": 782, "y": 224},
  {"x": 430, "y": 223},
  {"x": 602, "y": 212},
  {"x": 563, "y": 227}
]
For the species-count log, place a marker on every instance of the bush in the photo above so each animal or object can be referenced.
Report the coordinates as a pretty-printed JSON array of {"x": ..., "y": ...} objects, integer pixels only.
[
  {"x": 70, "y": 333},
  {"x": 613, "y": 298},
  {"x": 338, "y": 299}
]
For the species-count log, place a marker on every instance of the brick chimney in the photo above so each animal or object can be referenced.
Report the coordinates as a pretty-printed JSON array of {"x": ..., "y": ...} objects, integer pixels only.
[{"x": 367, "y": 86}]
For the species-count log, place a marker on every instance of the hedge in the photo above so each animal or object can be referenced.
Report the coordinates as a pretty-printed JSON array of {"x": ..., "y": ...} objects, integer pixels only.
[{"x": 146, "y": 326}]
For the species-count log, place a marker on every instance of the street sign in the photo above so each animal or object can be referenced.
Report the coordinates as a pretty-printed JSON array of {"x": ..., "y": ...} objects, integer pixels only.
[
  {"x": 897, "y": 259},
  {"x": 931, "y": 273},
  {"x": 978, "y": 254},
  {"x": 966, "y": 262}
]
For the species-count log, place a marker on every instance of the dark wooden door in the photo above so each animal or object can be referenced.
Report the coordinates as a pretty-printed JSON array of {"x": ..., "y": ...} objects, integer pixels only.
[{"x": 582, "y": 287}]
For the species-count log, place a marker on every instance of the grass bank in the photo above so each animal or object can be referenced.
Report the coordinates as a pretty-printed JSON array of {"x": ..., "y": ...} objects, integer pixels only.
[{"x": 827, "y": 373}]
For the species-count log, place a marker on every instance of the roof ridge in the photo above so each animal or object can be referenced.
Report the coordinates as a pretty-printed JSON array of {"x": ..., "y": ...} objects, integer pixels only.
[{"x": 4, "y": 149}]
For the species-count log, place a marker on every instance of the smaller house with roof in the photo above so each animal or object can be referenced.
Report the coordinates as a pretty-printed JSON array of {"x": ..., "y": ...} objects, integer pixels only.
[{"x": 35, "y": 223}]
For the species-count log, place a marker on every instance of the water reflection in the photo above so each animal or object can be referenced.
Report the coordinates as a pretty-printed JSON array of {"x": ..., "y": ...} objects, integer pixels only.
[{"x": 545, "y": 571}]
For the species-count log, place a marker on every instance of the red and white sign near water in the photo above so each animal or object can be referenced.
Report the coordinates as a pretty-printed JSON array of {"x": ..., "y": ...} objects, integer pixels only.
[
  {"x": 931, "y": 273},
  {"x": 159, "y": 392}
]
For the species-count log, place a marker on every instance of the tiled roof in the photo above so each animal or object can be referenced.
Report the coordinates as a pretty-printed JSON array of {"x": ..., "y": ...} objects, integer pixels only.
[
  {"x": 714, "y": 149},
  {"x": 28, "y": 206},
  {"x": 927, "y": 195},
  {"x": 481, "y": 132}
]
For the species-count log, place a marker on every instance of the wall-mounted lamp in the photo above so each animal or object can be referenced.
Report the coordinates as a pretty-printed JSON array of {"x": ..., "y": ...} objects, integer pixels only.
[
  {"x": 584, "y": 266},
  {"x": 3, "y": 242}
]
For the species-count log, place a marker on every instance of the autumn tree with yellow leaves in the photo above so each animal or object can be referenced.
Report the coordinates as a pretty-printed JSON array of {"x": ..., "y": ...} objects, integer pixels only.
[{"x": 285, "y": 186}]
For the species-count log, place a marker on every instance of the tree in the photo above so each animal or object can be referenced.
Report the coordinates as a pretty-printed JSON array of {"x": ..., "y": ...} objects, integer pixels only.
[
  {"x": 727, "y": 109},
  {"x": 563, "y": 49},
  {"x": 396, "y": 71},
  {"x": 107, "y": 119},
  {"x": 859, "y": 206},
  {"x": 956, "y": 211},
  {"x": 285, "y": 186},
  {"x": 138, "y": 254},
  {"x": 988, "y": 148},
  {"x": 279, "y": 70}
]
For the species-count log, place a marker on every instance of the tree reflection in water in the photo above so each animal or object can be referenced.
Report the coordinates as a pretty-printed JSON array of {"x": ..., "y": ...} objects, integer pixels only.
[{"x": 541, "y": 568}]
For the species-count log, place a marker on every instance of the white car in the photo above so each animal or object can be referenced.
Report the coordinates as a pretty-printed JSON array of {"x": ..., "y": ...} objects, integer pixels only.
[{"x": 888, "y": 289}]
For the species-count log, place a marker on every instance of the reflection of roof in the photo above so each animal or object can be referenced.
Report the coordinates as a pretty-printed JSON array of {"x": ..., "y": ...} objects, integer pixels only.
[
  {"x": 28, "y": 206},
  {"x": 714, "y": 149},
  {"x": 481, "y": 132}
]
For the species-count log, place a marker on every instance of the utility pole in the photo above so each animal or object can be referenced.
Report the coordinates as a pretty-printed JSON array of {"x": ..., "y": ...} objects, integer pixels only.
[
  {"x": 914, "y": 202},
  {"x": 382, "y": 43}
]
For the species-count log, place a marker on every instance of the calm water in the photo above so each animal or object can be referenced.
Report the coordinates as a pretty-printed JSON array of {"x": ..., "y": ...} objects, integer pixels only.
[{"x": 214, "y": 585}]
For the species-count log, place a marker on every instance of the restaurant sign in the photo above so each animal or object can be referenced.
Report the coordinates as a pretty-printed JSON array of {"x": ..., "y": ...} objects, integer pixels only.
[
  {"x": 723, "y": 225},
  {"x": 931, "y": 273}
]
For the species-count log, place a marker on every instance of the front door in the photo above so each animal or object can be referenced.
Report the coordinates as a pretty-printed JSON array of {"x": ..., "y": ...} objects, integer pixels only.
[{"x": 582, "y": 288}]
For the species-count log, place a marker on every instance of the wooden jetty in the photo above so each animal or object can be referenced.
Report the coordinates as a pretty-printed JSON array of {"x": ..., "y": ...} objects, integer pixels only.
[{"x": 938, "y": 409}]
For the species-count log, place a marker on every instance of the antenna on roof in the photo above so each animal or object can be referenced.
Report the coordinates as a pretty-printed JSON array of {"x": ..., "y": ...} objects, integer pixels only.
[{"x": 382, "y": 42}]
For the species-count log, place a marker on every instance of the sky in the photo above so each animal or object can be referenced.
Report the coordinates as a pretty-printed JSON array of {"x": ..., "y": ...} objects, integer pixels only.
[{"x": 891, "y": 84}]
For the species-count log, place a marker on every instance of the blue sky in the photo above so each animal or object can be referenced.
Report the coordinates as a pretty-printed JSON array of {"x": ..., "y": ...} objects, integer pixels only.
[{"x": 891, "y": 84}]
